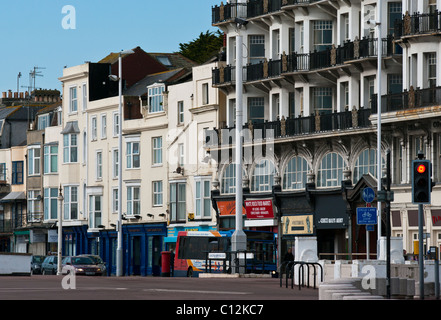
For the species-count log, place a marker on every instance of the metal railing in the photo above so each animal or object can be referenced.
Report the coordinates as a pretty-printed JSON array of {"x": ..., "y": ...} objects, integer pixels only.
[
  {"x": 304, "y": 62},
  {"x": 289, "y": 271},
  {"x": 418, "y": 23},
  {"x": 407, "y": 100},
  {"x": 291, "y": 127}
]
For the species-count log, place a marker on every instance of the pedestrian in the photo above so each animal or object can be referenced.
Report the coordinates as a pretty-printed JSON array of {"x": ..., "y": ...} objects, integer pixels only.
[{"x": 289, "y": 256}]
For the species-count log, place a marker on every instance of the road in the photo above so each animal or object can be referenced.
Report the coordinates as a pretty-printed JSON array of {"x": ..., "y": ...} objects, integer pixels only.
[{"x": 38, "y": 287}]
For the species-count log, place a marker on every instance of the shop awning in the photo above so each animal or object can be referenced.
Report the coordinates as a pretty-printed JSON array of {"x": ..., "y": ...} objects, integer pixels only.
[{"x": 14, "y": 196}]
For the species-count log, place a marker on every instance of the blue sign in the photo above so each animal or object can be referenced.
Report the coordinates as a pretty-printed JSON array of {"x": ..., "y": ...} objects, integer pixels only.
[
  {"x": 368, "y": 195},
  {"x": 366, "y": 215}
]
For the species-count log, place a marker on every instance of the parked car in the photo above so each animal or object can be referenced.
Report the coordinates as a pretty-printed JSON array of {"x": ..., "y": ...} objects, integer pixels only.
[
  {"x": 36, "y": 262},
  {"x": 49, "y": 265},
  {"x": 98, "y": 261},
  {"x": 82, "y": 266}
]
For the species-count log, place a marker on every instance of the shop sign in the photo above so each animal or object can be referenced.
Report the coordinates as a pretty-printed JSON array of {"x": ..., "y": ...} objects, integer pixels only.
[
  {"x": 259, "y": 209},
  {"x": 297, "y": 225},
  {"x": 228, "y": 208}
]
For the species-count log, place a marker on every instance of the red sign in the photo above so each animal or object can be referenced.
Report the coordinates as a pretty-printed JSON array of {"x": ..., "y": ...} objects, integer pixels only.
[{"x": 259, "y": 209}]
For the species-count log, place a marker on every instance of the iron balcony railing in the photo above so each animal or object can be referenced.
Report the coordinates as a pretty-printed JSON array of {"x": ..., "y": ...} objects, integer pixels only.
[
  {"x": 251, "y": 9},
  {"x": 291, "y": 127},
  {"x": 407, "y": 100},
  {"x": 304, "y": 62},
  {"x": 418, "y": 23}
]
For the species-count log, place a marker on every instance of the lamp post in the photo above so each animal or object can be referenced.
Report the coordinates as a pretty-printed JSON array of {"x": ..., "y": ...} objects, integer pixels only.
[
  {"x": 60, "y": 230},
  {"x": 239, "y": 238},
  {"x": 119, "y": 255}
]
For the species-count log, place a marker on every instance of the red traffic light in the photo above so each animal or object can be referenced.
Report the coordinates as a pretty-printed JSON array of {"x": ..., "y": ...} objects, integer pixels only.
[{"x": 421, "y": 168}]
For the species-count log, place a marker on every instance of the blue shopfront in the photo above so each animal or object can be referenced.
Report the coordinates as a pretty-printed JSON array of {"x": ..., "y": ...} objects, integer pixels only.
[{"x": 142, "y": 247}]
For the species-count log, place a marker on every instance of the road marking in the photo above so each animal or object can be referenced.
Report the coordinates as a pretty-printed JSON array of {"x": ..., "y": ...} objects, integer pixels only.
[{"x": 198, "y": 291}]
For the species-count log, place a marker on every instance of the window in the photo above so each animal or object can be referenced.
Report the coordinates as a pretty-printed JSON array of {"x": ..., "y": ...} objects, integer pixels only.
[
  {"x": 229, "y": 179},
  {"x": 99, "y": 165},
  {"x": 103, "y": 126},
  {"x": 115, "y": 124},
  {"x": 203, "y": 198},
  {"x": 84, "y": 96},
  {"x": 17, "y": 172},
  {"x": 294, "y": 176},
  {"x": 34, "y": 154},
  {"x": 330, "y": 173},
  {"x": 70, "y": 148},
  {"x": 43, "y": 121},
  {"x": 155, "y": 99},
  {"x": 431, "y": 69},
  {"x": 344, "y": 95},
  {"x": 322, "y": 100},
  {"x": 366, "y": 163},
  {"x": 93, "y": 128},
  {"x": 133, "y": 200},
  {"x": 157, "y": 193},
  {"x": 115, "y": 167},
  {"x": 394, "y": 13},
  {"x": 94, "y": 211},
  {"x": 3, "y": 172},
  {"x": 395, "y": 83},
  {"x": 257, "y": 49},
  {"x": 181, "y": 159},
  {"x": 157, "y": 150},
  {"x": 205, "y": 98},
  {"x": 263, "y": 176},
  {"x": 70, "y": 202},
  {"x": 73, "y": 100},
  {"x": 132, "y": 155},
  {"x": 34, "y": 207},
  {"x": 322, "y": 34},
  {"x": 115, "y": 200},
  {"x": 50, "y": 205},
  {"x": 50, "y": 159},
  {"x": 177, "y": 201},
  {"x": 180, "y": 112},
  {"x": 256, "y": 109}
]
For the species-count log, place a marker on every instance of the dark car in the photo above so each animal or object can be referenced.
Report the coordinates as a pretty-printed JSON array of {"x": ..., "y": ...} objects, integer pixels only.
[
  {"x": 49, "y": 265},
  {"x": 98, "y": 261},
  {"x": 36, "y": 262},
  {"x": 82, "y": 266}
]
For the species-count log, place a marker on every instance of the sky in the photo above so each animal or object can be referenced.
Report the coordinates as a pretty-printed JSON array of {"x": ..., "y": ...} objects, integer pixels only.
[{"x": 52, "y": 34}]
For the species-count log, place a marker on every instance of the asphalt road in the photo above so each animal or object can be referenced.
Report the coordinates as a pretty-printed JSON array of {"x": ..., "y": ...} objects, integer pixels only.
[{"x": 38, "y": 287}]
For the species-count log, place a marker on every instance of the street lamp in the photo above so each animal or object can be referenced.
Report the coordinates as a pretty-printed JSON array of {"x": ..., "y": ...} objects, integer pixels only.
[
  {"x": 239, "y": 238},
  {"x": 119, "y": 256},
  {"x": 60, "y": 230}
]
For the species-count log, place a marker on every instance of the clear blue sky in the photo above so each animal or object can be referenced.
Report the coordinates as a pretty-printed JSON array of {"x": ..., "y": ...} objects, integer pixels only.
[{"x": 32, "y": 33}]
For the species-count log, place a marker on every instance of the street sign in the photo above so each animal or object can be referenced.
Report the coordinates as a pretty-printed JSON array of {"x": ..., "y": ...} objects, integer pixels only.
[
  {"x": 366, "y": 215},
  {"x": 368, "y": 195}
]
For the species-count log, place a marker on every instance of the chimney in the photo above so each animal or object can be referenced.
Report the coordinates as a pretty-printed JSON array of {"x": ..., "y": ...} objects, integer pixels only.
[
  {"x": 15, "y": 95},
  {"x": 21, "y": 95},
  {"x": 3, "y": 95}
]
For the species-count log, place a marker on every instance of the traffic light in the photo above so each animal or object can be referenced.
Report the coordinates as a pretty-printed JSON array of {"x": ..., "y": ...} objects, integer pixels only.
[{"x": 421, "y": 181}]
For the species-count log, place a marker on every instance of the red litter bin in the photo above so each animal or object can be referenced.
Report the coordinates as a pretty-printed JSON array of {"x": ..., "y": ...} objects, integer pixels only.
[{"x": 165, "y": 263}]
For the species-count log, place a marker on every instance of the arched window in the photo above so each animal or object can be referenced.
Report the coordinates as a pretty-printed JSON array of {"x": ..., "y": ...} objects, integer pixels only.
[
  {"x": 229, "y": 179},
  {"x": 330, "y": 173},
  {"x": 366, "y": 163},
  {"x": 263, "y": 176},
  {"x": 294, "y": 176}
]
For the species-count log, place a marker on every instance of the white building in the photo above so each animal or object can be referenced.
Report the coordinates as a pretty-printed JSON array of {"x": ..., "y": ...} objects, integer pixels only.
[{"x": 311, "y": 75}]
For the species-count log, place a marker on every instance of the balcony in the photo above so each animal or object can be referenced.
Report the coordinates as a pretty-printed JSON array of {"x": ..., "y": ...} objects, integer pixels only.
[
  {"x": 418, "y": 24},
  {"x": 253, "y": 8},
  {"x": 405, "y": 101},
  {"x": 296, "y": 127},
  {"x": 349, "y": 52}
]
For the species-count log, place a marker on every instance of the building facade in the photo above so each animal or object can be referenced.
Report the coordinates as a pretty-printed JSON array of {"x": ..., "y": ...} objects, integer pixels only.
[{"x": 310, "y": 78}]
